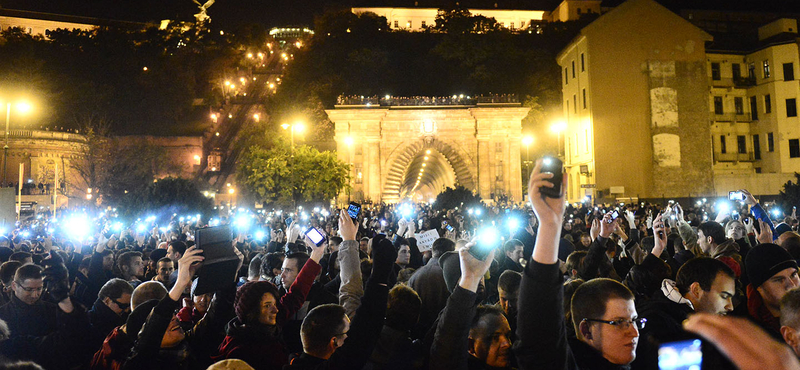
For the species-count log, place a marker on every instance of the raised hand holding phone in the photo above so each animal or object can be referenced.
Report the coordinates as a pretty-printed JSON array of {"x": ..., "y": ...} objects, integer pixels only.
[
  {"x": 659, "y": 236},
  {"x": 549, "y": 211},
  {"x": 472, "y": 268}
]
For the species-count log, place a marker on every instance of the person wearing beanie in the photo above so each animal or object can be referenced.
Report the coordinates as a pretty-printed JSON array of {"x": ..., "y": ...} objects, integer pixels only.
[
  {"x": 255, "y": 334},
  {"x": 772, "y": 272}
]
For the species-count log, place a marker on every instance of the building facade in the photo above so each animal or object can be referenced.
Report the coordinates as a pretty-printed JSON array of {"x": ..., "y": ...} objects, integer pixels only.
[
  {"x": 635, "y": 106},
  {"x": 655, "y": 109}
]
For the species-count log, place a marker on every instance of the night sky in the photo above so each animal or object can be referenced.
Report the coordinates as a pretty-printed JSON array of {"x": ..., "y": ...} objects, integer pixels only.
[{"x": 230, "y": 13}]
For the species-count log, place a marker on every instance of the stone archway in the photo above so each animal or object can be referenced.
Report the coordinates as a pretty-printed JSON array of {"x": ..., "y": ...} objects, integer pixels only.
[
  {"x": 478, "y": 144},
  {"x": 399, "y": 163}
]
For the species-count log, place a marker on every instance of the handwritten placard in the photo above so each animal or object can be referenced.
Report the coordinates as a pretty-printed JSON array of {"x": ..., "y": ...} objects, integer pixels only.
[{"x": 425, "y": 240}]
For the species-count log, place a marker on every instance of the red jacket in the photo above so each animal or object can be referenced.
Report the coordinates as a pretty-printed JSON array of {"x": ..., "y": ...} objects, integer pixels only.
[{"x": 115, "y": 350}]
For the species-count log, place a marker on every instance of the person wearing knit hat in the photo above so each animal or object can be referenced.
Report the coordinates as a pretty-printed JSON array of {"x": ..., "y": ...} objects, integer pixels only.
[
  {"x": 232, "y": 364},
  {"x": 255, "y": 334},
  {"x": 772, "y": 272}
]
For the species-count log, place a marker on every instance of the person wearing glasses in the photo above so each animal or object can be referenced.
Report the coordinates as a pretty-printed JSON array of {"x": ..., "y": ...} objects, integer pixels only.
[
  {"x": 110, "y": 310},
  {"x": 41, "y": 331},
  {"x": 603, "y": 312}
]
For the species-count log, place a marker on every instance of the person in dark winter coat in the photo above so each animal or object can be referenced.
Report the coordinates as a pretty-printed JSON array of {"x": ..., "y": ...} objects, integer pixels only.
[
  {"x": 109, "y": 310},
  {"x": 330, "y": 340},
  {"x": 603, "y": 311},
  {"x": 254, "y": 335}
]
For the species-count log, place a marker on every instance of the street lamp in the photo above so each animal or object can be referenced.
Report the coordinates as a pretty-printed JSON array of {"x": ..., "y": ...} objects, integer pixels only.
[
  {"x": 558, "y": 127},
  {"x": 22, "y": 107},
  {"x": 527, "y": 141},
  {"x": 299, "y": 127}
]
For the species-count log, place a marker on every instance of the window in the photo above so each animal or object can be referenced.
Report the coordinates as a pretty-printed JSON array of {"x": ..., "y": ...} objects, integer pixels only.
[
  {"x": 722, "y": 147},
  {"x": 567, "y": 103},
  {"x": 794, "y": 148},
  {"x": 575, "y": 103},
  {"x": 566, "y": 76},
  {"x": 396, "y": 24},
  {"x": 758, "y": 169},
  {"x": 586, "y": 140},
  {"x": 736, "y": 69},
  {"x": 498, "y": 173},
  {"x": 741, "y": 144},
  {"x": 573, "y": 69},
  {"x": 788, "y": 71},
  {"x": 753, "y": 108},
  {"x": 770, "y": 143},
  {"x": 408, "y": 24},
  {"x": 583, "y": 63},
  {"x": 767, "y": 104},
  {"x": 715, "y": 72},
  {"x": 756, "y": 147},
  {"x": 791, "y": 107},
  {"x": 359, "y": 175},
  {"x": 766, "y": 68},
  {"x": 718, "y": 105},
  {"x": 751, "y": 70},
  {"x": 512, "y": 25},
  {"x": 738, "y": 104},
  {"x": 584, "y": 98},
  {"x": 424, "y": 24},
  {"x": 498, "y": 147}
]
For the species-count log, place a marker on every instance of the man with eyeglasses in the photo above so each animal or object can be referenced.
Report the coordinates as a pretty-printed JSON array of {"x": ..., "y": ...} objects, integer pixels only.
[
  {"x": 42, "y": 331},
  {"x": 109, "y": 310},
  {"x": 603, "y": 312}
]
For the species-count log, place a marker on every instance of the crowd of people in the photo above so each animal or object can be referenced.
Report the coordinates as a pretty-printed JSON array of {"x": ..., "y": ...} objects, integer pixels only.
[{"x": 545, "y": 285}]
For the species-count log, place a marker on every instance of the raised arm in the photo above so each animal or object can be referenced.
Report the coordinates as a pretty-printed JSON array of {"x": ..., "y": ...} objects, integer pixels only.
[
  {"x": 351, "y": 288},
  {"x": 541, "y": 334}
]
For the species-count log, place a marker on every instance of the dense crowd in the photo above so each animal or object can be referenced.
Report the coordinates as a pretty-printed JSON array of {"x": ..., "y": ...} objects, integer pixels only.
[{"x": 545, "y": 285}]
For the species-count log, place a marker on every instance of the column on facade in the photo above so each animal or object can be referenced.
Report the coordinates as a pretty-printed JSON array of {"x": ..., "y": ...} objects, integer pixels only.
[
  {"x": 485, "y": 166},
  {"x": 373, "y": 167},
  {"x": 513, "y": 160}
]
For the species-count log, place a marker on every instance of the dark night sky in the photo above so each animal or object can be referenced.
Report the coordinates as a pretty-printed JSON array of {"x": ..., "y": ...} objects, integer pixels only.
[{"x": 226, "y": 13}]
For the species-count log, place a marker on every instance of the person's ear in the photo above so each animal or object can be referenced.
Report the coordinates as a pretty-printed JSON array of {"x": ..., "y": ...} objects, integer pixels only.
[
  {"x": 695, "y": 290},
  {"x": 585, "y": 329},
  {"x": 471, "y": 348},
  {"x": 789, "y": 336},
  {"x": 332, "y": 345}
]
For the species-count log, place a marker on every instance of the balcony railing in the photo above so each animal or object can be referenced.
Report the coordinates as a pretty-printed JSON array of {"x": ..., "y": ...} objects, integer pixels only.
[
  {"x": 734, "y": 157},
  {"x": 744, "y": 81},
  {"x": 731, "y": 117},
  {"x": 389, "y": 101}
]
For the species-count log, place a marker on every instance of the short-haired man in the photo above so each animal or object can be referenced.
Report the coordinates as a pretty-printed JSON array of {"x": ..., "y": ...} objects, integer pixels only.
[
  {"x": 772, "y": 272},
  {"x": 330, "y": 340},
  {"x": 790, "y": 319},
  {"x": 712, "y": 241},
  {"x": 316, "y": 296},
  {"x": 468, "y": 335},
  {"x": 603, "y": 311},
  {"x": 109, "y": 310},
  {"x": 702, "y": 285},
  {"x": 512, "y": 253},
  {"x": 428, "y": 282},
  {"x": 41, "y": 331},
  {"x": 131, "y": 267},
  {"x": 164, "y": 269}
]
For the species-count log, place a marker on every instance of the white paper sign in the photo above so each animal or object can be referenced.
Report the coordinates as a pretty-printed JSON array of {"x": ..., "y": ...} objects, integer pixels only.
[{"x": 425, "y": 240}]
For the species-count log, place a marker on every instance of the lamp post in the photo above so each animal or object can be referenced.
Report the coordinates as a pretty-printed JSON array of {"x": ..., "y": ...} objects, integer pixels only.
[
  {"x": 299, "y": 127},
  {"x": 558, "y": 127},
  {"x": 527, "y": 141},
  {"x": 23, "y": 108},
  {"x": 349, "y": 142}
]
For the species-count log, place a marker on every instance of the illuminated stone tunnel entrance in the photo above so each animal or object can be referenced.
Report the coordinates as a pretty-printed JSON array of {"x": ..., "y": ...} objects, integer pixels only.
[{"x": 475, "y": 146}]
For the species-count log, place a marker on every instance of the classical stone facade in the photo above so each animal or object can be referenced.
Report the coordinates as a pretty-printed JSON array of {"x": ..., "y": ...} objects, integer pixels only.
[
  {"x": 390, "y": 147},
  {"x": 40, "y": 152}
]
